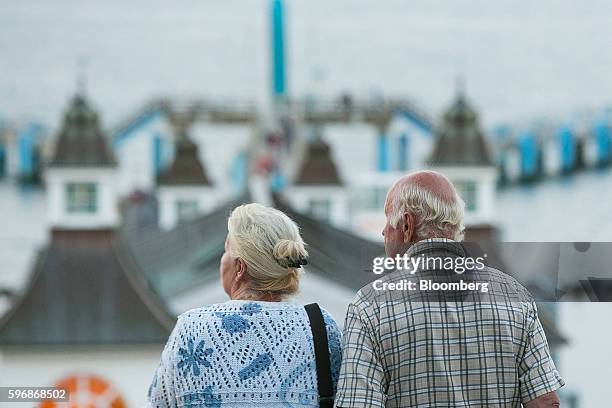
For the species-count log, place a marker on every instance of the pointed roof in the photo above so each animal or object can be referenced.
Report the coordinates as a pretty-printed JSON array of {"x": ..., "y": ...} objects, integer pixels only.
[
  {"x": 86, "y": 290},
  {"x": 187, "y": 169},
  {"x": 80, "y": 142},
  {"x": 318, "y": 166},
  {"x": 459, "y": 140}
]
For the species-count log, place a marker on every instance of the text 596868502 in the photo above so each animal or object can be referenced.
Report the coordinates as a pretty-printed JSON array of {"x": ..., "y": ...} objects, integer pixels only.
[{"x": 33, "y": 394}]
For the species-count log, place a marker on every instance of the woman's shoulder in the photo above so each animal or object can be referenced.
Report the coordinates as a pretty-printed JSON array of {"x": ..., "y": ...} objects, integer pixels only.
[
  {"x": 329, "y": 319},
  {"x": 249, "y": 308},
  {"x": 247, "y": 318}
]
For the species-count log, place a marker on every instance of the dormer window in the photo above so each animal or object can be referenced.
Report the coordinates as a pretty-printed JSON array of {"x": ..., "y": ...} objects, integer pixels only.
[
  {"x": 468, "y": 191},
  {"x": 186, "y": 210},
  {"x": 81, "y": 198},
  {"x": 320, "y": 208}
]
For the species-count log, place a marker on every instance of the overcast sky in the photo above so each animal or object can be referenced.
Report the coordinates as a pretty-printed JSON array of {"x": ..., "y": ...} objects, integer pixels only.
[{"x": 521, "y": 59}]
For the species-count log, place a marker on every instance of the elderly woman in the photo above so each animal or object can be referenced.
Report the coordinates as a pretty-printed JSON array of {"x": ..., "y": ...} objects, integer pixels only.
[{"x": 255, "y": 349}]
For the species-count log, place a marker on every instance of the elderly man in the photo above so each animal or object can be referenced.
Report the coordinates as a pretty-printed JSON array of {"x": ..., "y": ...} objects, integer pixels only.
[{"x": 413, "y": 349}]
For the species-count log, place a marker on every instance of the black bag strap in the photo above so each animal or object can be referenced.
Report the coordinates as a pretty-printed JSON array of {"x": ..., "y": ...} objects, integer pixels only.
[{"x": 319, "y": 337}]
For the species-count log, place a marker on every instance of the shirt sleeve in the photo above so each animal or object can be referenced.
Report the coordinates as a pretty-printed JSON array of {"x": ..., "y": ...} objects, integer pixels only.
[
  {"x": 362, "y": 380},
  {"x": 537, "y": 372},
  {"x": 161, "y": 391}
]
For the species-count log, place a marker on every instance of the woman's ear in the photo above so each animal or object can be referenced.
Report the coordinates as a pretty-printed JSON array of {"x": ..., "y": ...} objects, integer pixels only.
[{"x": 240, "y": 268}]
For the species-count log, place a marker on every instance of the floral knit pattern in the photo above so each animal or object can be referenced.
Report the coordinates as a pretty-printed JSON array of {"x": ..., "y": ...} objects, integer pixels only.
[
  {"x": 242, "y": 353},
  {"x": 192, "y": 358}
]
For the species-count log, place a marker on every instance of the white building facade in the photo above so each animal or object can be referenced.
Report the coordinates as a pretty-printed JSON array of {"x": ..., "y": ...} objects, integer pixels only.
[{"x": 86, "y": 320}]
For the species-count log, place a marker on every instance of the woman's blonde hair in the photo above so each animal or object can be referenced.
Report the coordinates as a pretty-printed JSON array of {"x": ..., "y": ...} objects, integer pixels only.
[{"x": 269, "y": 242}]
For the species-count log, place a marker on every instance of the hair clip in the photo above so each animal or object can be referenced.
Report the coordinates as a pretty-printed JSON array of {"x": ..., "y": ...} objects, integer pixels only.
[{"x": 298, "y": 263}]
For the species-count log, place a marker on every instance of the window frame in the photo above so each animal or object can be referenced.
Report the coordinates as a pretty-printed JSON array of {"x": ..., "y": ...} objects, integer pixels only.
[{"x": 81, "y": 197}]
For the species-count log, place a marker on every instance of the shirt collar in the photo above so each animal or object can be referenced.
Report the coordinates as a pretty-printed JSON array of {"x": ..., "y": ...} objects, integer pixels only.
[{"x": 436, "y": 244}]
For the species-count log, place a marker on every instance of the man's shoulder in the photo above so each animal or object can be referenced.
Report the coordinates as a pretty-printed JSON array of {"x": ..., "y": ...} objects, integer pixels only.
[
  {"x": 374, "y": 293},
  {"x": 509, "y": 284},
  {"x": 363, "y": 296}
]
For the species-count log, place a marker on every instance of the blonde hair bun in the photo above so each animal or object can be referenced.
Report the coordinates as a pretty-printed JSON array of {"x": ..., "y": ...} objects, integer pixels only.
[{"x": 290, "y": 254}]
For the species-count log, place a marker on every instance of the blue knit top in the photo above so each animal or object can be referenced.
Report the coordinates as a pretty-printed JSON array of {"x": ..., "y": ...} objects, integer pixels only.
[{"x": 242, "y": 353}]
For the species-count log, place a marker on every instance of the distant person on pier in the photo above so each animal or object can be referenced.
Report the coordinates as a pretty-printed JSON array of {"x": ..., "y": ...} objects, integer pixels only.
[
  {"x": 255, "y": 350},
  {"x": 404, "y": 350}
]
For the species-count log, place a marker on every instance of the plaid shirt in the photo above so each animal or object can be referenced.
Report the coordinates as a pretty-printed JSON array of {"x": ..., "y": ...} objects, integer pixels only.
[{"x": 402, "y": 350}]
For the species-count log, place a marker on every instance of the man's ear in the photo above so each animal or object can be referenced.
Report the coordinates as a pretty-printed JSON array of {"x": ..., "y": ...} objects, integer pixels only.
[{"x": 408, "y": 232}]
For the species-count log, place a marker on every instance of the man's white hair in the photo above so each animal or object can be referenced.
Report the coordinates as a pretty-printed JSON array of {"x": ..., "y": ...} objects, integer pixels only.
[{"x": 434, "y": 217}]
